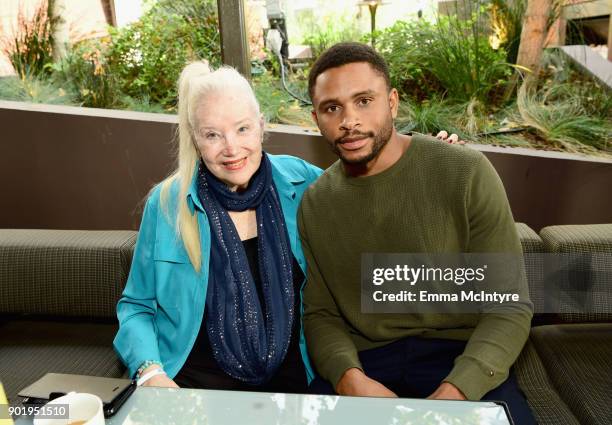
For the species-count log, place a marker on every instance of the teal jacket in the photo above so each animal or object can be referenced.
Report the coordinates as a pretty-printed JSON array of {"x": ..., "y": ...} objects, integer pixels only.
[{"x": 162, "y": 306}]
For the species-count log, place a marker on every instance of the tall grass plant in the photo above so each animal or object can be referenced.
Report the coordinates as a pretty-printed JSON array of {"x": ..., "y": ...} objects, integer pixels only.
[
  {"x": 452, "y": 57},
  {"x": 34, "y": 89},
  {"x": 563, "y": 123},
  {"x": 30, "y": 47}
]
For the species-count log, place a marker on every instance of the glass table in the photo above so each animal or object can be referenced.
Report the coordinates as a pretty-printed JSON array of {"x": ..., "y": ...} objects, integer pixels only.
[{"x": 168, "y": 406}]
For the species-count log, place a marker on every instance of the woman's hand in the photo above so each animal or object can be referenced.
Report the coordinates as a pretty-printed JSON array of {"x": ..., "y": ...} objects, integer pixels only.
[
  {"x": 453, "y": 139},
  {"x": 161, "y": 380}
]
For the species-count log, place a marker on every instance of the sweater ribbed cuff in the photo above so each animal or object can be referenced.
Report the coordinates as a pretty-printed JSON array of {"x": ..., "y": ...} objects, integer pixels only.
[
  {"x": 474, "y": 380},
  {"x": 336, "y": 366}
]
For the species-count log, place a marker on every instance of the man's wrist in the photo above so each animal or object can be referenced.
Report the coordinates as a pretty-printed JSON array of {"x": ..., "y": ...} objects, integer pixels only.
[
  {"x": 348, "y": 380},
  {"x": 332, "y": 369},
  {"x": 450, "y": 387}
]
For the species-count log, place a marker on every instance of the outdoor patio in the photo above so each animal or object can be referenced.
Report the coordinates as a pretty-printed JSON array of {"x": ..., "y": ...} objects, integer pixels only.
[{"x": 89, "y": 123}]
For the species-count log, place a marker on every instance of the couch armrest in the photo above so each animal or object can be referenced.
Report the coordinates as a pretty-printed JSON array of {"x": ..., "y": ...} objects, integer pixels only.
[{"x": 63, "y": 272}]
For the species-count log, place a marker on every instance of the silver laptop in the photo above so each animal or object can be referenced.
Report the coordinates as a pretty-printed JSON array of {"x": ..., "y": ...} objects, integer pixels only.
[{"x": 105, "y": 388}]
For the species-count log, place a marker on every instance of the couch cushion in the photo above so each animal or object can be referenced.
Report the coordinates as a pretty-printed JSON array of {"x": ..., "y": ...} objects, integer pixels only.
[
  {"x": 545, "y": 402},
  {"x": 530, "y": 240},
  {"x": 578, "y": 359},
  {"x": 63, "y": 272},
  {"x": 31, "y": 348},
  {"x": 532, "y": 248},
  {"x": 584, "y": 279},
  {"x": 578, "y": 238}
]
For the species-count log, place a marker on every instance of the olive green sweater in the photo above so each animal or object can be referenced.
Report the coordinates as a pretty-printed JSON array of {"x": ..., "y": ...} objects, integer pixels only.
[{"x": 436, "y": 198}]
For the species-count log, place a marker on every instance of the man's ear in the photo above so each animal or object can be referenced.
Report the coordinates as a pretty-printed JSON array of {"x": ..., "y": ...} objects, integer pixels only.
[
  {"x": 313, "y": 113},
  {"x": 393, "y": 102}
]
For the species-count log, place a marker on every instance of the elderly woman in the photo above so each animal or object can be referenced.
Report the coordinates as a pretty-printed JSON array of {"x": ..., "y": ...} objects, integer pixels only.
[{"x": 213, "y": 296}]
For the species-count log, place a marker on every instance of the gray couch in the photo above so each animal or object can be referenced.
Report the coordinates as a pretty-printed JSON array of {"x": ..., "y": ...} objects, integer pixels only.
[
  {"x": 58, "y": 294},
  {"x": 566, "y": 367},
  {"x": 59, "y": 289}
]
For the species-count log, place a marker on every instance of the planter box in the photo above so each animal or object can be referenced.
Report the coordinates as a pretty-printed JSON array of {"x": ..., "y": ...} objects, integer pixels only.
[{"x": 82, "y": 168}]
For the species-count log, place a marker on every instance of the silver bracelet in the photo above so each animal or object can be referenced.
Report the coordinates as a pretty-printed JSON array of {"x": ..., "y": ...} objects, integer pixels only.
[
  {"x": 145, "y": 365},
  {"x": 150, "y": 374}
]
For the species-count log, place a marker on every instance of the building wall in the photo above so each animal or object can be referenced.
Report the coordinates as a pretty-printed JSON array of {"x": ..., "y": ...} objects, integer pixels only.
[{"x": 85, "y": 19}]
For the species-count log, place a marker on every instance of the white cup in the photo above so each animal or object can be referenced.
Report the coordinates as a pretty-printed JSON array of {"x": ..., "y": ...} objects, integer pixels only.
[{"x": 85, "y": 409}]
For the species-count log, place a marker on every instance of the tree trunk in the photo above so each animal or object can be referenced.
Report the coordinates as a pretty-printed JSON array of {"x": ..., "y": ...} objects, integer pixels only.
[
  {"x": 533, "y": 34},
  {"x": 59, "y": 29}
]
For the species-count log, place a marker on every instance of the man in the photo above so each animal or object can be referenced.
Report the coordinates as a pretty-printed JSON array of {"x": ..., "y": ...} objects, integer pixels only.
[{"x": 397, "y": 193}]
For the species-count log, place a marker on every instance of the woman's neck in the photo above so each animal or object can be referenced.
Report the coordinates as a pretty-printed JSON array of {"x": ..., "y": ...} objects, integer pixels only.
[{"x": 245, "y": 223}]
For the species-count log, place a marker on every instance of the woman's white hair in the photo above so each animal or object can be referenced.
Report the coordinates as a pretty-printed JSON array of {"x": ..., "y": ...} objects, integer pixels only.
[{"x": 197, "y": 81}]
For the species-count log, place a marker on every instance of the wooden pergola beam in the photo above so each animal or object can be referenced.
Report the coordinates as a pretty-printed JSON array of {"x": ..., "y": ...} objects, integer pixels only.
[
  {"x": 233, "y": 31},
  {"x": 108, "y": 6}
]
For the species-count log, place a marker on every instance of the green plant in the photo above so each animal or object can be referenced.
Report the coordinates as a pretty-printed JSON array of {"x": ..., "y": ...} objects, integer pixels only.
[
  {"x": 469, "y": 120},
  {"x": 30, "y": 49},
  {"x": 148, "y": 55},
  {"x": 34, "y": 89},
  {"x": 322, "y": 32},
  {"x": 85, "y": 72},
  {"x": 563, "y": 81},
  {"x": 401, "y": 46},
  {"x": 507, "y": 140},
  {"x": 506, "y": 25},
  {"x": 276, "y": 104},
  {"x": 427, "y": 117},
  {"x": 141, "y": 105},
  {"x": 563, "y": 123},
  {"x": 452, "y": 57},
  {"x": 590, "y": 96}
]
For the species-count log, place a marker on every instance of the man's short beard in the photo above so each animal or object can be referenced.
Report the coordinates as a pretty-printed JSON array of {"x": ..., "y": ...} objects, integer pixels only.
[{"x": 380, "y": 139}]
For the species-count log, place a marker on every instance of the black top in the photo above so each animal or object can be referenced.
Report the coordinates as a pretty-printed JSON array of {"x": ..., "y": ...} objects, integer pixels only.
[{"x": 202, "y": 371}]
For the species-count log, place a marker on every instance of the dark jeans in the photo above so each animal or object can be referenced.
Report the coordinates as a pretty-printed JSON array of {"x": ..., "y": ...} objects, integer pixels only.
[{"x": 414, "y": 367}]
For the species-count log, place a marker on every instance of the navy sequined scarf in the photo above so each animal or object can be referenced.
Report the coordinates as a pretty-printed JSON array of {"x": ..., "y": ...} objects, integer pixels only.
[{"x": 249, "y": 341}]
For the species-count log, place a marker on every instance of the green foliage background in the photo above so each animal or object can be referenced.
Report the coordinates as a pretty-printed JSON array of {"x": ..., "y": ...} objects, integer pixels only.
[
  {"x": 147, "y": 56},
  {"x": 451, "y": 57},
  {"x": 136, "y": 66},
  {"x": 452, "y": 74}
]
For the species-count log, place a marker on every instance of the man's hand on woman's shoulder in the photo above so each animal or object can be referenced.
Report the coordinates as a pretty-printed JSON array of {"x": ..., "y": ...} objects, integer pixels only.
[{"x": 453, "y": 139}]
